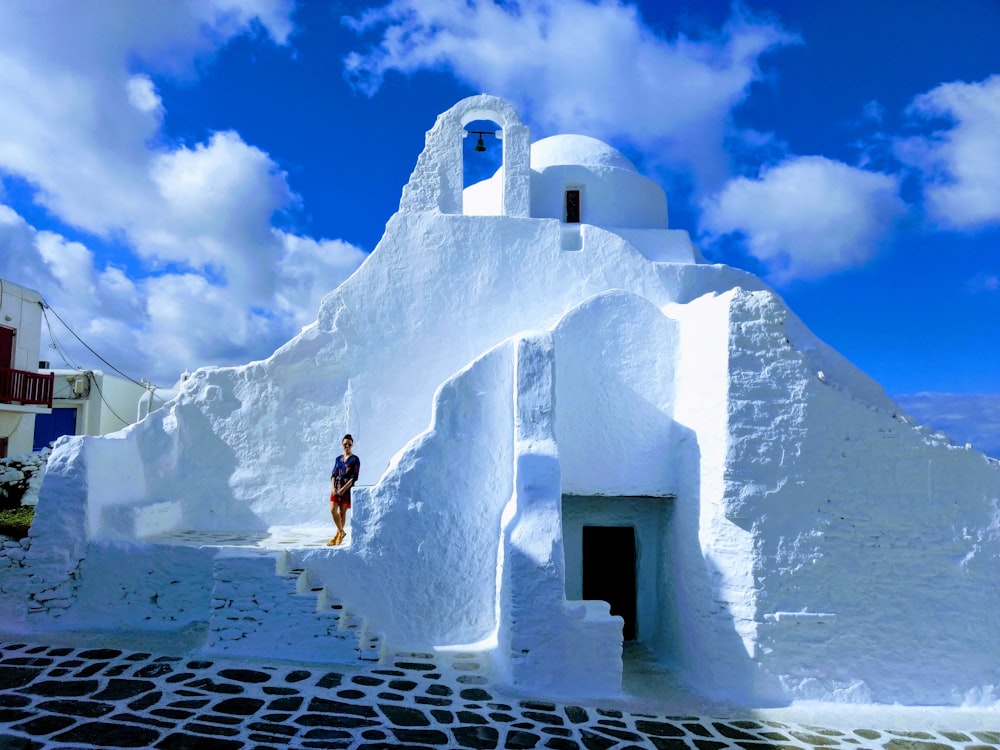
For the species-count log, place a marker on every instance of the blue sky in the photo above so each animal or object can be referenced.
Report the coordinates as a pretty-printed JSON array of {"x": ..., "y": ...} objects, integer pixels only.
[{"x": 183, "y": 181}]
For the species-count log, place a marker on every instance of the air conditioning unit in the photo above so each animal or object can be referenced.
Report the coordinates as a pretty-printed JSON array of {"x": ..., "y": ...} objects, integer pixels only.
[{"x": 81, "y": 387}]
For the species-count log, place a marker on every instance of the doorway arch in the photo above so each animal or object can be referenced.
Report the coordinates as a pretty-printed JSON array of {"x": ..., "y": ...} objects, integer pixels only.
[{"x": 630, "y": 539}]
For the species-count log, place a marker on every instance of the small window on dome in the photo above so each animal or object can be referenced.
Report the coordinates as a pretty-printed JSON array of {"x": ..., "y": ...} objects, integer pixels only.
[{"x": 572, "y": 206}]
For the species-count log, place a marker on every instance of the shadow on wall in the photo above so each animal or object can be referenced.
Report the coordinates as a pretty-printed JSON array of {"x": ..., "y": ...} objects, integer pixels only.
[
  {"x": 172, "y": 473},
  {"x": 700, "y": 638},
  {"x": 616, "y": 389},
  {"x": 422, "y": 560}
]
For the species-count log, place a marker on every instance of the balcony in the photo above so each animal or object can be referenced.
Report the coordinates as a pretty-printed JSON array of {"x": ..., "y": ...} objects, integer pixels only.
[{"x": 27, "y": 388}]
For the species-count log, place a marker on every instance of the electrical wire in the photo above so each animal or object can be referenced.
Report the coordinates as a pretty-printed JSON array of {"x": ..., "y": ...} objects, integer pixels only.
[
  {"x": 47, "y": 306},
  {"x": 88, "y": 373},
  {"x": 60, "y": 350},
  {"x": 93, "y": 379}
]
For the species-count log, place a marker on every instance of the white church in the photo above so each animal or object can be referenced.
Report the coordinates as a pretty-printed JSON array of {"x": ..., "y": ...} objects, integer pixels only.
[{"x": 575, "y": 434}]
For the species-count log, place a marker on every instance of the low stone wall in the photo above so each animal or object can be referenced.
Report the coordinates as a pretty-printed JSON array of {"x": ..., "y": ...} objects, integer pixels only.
[{"x": 13, "y": 554}]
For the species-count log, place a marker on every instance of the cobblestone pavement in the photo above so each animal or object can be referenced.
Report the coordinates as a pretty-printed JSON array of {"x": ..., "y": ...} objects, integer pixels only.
[{"x": 73, "y": 697}]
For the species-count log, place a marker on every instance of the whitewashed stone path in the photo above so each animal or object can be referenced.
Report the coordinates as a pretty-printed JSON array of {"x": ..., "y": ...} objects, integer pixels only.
[{"x": 79, "y": 697}]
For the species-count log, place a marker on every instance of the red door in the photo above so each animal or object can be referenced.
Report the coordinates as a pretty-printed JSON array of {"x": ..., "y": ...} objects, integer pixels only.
[{"x": 6, "y": 347}]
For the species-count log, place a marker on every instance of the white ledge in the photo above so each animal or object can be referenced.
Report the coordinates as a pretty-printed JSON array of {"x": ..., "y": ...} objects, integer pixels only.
[{"x": 815, "y": 617}]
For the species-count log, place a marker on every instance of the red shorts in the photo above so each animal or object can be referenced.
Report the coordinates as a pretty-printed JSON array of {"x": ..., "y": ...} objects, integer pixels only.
[{"x": 344, "y": 499}]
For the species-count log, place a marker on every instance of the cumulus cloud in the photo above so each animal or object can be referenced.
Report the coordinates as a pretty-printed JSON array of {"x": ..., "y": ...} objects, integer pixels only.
[
  {"x": 308, "y": 270},
  {"x": 217, "y": 203},
  {"x": 959, "y": 162},
  {"x": 807, "y": 216},
  {"x": 142, "y": 94},
  {"x": 167, "y": 322},
  {"x": 20, "y": 258},
  {"x": 578, "y": 66},
  {"x": 77, "y": 115},
  {"x": 209, "y": 280}
]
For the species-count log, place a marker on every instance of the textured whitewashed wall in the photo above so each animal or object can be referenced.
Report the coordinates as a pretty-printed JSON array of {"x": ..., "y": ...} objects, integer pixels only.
[
  {"x": 818, "y": 540},
  {"x": 875, "y": 545}
]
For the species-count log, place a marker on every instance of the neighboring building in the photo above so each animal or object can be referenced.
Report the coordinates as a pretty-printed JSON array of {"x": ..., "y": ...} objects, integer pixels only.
[
  {"x": 556, "y": 404},
  {"x": 92, "y": 402},
  {"x": 24, "y": 391}
]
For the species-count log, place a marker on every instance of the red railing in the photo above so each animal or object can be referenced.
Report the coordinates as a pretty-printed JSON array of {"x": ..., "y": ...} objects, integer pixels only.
[{"x": 23, "y": 387}]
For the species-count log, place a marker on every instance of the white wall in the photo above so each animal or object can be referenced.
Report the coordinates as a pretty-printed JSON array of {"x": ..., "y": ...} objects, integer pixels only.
[
  {"x": 875, "y": 544},
  {"x": 422, "y": 560},
  {"x": 615, "y": 397},
  {"x": 546, "y": 644},
  {"x": 263, "y": 441},
  {"x": 609, "y": 197},
  {"x": 20, "y": 310},
  {"x": 818, "y": 540}
]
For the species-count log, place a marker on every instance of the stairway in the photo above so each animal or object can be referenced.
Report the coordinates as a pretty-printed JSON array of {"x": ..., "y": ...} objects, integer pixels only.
[{"x": 261, "y": 607}]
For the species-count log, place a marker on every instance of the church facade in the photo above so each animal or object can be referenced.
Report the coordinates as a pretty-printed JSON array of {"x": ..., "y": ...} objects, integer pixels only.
[{"x": 574, "y": 433}]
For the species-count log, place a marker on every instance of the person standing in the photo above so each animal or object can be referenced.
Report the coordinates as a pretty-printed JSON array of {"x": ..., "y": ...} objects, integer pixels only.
[{"x": 344, "y": 475}]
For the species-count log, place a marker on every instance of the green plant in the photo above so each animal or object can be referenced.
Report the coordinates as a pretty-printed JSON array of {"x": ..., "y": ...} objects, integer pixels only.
[{"x": 16, "y": 521}]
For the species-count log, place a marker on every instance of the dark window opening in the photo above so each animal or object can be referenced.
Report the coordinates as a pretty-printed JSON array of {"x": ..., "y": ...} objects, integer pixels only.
[
  {"x": 609, "y": 571},
  {"x": 572, "y": 206},
  {"x": 3, "y": 447}
]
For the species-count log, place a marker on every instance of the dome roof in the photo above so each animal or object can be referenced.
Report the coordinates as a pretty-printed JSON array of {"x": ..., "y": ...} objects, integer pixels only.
[{"x": 580, "y": 150}]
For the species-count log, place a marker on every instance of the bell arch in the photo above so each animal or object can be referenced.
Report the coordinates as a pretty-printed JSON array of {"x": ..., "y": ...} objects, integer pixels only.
[{"x": 437, "y": 180}]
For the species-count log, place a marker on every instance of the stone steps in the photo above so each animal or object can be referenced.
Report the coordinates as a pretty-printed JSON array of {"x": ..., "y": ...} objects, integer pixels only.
[{"x": 261, "y": 607}]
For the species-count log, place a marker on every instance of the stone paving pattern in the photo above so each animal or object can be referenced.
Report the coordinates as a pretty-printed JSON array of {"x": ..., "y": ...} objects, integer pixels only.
[{"x": 62, "y": 697}]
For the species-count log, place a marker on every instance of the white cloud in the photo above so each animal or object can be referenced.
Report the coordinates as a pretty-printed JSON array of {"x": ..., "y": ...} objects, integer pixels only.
[
  {"x": 227, "y": 330},
  {"x": 581, "y": 67},
  {"x": 217, "y": 203},
  {"x": 309, "y": 270},
  {"x": 142, "y": 94},
  {"x": 960, "y": 163},
  {"x": 20, "y": 258},
  {"x": 77, "y": 116},
  {"x": 210, "y": 281},
  {"x": 807, "y": 216},
  {"x": 158, "y": 326}
]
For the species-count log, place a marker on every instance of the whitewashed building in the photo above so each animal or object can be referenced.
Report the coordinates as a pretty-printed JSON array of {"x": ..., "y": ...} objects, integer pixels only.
[
  {"x": 24, "y": 392},
  {"x": 94, "y": 402},
  {"x": 557, "y": 404}
]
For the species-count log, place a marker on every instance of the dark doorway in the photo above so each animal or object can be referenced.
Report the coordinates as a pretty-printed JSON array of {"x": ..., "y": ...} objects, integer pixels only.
[
  {"x": 49, "y": 427},
  {"x": 609, "y": 571},
  {"x": 572, "y": 206},
  {"x": 3, "y": 447},
  {"x": 6, "y": 347}
]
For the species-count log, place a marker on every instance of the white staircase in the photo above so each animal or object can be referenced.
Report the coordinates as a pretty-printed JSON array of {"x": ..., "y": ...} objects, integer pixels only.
[{"x": 261, "y": 607}]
